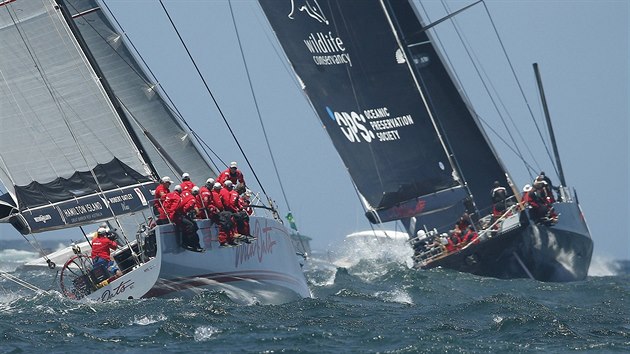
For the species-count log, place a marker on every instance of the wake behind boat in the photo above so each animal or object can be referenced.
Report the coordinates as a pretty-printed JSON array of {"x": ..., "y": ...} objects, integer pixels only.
[
  {"x": 415, "y": 148},
  {"x": 87, "y": 134}
]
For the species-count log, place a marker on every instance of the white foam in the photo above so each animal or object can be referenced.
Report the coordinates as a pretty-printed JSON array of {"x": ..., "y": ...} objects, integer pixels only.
[
  {"x": 398, "y": 295},
  {"x": 147, "y": 320},
  {"x": 602, "y": 267},
  {"x": 204, "y": 333}
]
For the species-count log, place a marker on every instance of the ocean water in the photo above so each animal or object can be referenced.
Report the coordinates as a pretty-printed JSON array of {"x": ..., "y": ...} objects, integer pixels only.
[{"x": 361, "y": 303}]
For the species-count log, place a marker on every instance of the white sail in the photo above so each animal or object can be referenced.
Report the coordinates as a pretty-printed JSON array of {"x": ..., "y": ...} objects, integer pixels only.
[{"x": 56, "y": 118}]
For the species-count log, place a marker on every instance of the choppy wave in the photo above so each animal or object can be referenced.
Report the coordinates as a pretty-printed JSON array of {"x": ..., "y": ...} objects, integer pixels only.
[{"x": 372, "y": 304}]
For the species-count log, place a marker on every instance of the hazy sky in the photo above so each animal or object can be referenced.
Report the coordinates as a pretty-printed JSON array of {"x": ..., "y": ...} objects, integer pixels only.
[{"x": 582, "y": 48}]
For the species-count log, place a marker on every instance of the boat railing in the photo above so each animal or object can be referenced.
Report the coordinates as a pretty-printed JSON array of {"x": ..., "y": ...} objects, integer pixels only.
[
  {"x": 564, "y": 194},
  {"x": 489, "y": 230}
]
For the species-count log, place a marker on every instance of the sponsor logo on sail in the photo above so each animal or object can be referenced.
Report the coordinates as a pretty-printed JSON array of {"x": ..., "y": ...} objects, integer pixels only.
[
  {"x": 42, "y": 218},
  {"x": 371, "y": 124},
  {"x": 326, "y": 47},
  {"x": 309, "y": 7}
]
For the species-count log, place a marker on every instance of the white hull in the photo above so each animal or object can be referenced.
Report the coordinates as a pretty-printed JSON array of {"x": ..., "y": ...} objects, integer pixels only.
[{"x": 266, "y": 271}]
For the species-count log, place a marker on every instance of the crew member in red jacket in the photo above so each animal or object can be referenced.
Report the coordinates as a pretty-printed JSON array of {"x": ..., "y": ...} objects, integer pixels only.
[
  {"x": 226, "y": 219},
  {"x": 101, "y": 249},
  {"x": 233, "y": 174},
  {"x": 243, "y": 216},
  {"x": 186, "y": 184},
  {"x": 187, "y": 210},
  {"x": 171, "y": 204},
  {"x": 158, "y": 203}
]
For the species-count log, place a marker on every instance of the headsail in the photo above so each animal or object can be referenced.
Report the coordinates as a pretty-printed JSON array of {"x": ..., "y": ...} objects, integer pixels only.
[{"x": 358, "y": 80}]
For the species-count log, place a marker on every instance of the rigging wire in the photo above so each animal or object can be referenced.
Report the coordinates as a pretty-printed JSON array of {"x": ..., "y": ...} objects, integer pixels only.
[
  {"x": 251, "y": 87},
  {"x": 470, "y": 56},
  {"x": 216, "y": 103},
  {"x": 520, "y": 87},
  {"x": 474, "y": 59}
]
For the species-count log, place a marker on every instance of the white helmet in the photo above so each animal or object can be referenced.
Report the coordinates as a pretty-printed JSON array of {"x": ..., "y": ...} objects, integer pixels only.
[
  {"x": 195, "y": 190},
  {"x": 233, "y": 164},
  {"x": 101, "y": 231},
  {"x": 177, "y": 188},
  {"x": 228, "y": 183},
  {"x": 217, "y": 185},
  {"x": 210, "y": 181},
  {"x": 166, "y": 179},
  {"x": 185, "y": 176}
]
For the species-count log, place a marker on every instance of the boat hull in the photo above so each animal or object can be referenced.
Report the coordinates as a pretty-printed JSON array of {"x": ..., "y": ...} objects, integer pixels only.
[
  {"x": 265, "y": 271},
  {"x": 557, "y": 253}
]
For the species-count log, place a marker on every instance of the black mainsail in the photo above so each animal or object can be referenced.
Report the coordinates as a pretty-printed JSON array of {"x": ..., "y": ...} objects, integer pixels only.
[
  {"x": 370, "y": 104},
  {"x": 390, "y": 107}
]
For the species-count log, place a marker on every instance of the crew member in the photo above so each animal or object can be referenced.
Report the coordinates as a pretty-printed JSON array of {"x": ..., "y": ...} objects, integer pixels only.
[
  {"x": 233, "y": 174},
  {"x": 158, "y": 203},
  {"x": 101, "y": 250},
  {"x": 226, "y": 222},
  {"x": 499, "y": 194},
  {"x": 186, "y": 184},
  {"x": 189, "y": 228}
]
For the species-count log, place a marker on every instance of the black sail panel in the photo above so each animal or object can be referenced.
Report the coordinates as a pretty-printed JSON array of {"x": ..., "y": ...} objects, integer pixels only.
[
  {"x": 477, "y": 162},
  {"x": 366, "y": 97}
]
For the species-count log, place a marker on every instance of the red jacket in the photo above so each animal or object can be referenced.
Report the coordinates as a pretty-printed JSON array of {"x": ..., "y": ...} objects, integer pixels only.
[
  {"x": 171, "y": 204},
  {"x": 205, "y": 201},
  {"x": 217, "y": 201},
  {"x": 234, "y": 177},
  {"x": 101, "y": 247},
  {"x": 246, "y": 205},
  {"x": 226, "y": 199},
  {"x": 160, "y": 194},
  {"x": 187, "y": 204},
  {"x": 187, "y": 186}
]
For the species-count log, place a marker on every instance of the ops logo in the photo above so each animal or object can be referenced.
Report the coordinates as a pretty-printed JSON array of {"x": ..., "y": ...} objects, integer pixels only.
[{"x": 353, "y": 125}]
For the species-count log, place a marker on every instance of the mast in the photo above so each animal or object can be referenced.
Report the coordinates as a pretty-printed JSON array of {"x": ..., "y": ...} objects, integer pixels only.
[
  {"x": 549, "y": 126},
  {"x": 108, "y": 90}
]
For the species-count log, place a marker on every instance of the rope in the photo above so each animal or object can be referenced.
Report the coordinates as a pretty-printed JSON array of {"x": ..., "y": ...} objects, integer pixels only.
[
  {"x": 519, "y": 85},
  {"x": 21, "y": 282},
  {"x": 216, "y": 103}
]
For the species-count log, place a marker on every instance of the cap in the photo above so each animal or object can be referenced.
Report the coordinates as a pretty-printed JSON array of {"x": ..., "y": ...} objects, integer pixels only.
[
  {"x": 166, "y": 179},
  {"x": 233, "y": 164},
  {"x": 177, "y": 188},
  {"x": 210, "y": 181},
  {"x": 101, "y": 231},
  {"x": 527, "y": 188}
]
